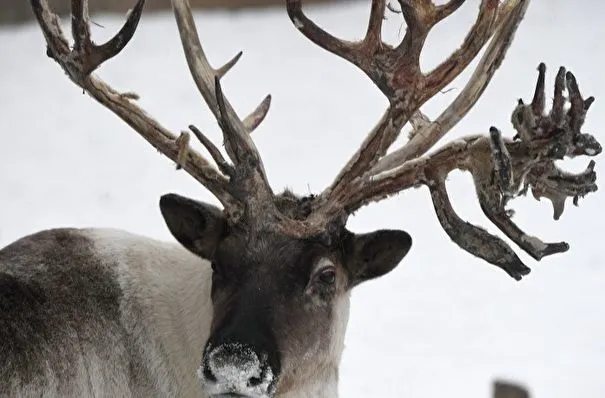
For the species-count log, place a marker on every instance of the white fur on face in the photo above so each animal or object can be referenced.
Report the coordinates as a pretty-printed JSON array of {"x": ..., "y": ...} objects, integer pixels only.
[{"x": 316, "y": 369}]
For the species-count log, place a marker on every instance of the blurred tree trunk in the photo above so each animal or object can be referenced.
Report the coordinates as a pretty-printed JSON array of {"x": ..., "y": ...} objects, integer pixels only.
[{"x": 17, "y": 11}]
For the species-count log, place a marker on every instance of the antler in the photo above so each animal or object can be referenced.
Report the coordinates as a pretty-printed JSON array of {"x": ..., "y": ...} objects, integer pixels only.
[
  {"x": 241, "y": 187},
  {"x": 247, "y": 179},
  {"x": 501, "y": 168},
  {"x": 396, "y": 72}
]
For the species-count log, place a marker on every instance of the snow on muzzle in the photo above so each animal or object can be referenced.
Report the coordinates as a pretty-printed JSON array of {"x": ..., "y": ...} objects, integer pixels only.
[{"x": 235, "y": 370}]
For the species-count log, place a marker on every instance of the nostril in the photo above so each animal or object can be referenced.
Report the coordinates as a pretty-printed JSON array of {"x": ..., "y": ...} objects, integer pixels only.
[
  {"x": 254, "y": 381},
  {"x": 262, "y": 377},
  {"x": 208, "y": 374}
]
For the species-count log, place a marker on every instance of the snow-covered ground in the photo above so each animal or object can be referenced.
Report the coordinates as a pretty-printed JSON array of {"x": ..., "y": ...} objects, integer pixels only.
[{"x": 443, "y": 323}]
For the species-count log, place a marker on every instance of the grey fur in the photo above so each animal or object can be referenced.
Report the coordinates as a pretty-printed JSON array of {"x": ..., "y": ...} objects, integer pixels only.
[
  {"x": 105, "y": 313},
  {"x": 59, "y": 307},
  {"x": 67, "y": 326}
]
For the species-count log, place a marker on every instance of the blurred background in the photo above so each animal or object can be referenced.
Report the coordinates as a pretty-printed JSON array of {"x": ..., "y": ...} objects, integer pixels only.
[
  {"x": 443, "y": 323},
  {"x": 18, "y": 11}
]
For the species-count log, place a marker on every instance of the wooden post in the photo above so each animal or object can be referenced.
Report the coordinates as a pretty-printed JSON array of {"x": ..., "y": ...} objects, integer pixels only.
[{"x": 505, "y": 389}]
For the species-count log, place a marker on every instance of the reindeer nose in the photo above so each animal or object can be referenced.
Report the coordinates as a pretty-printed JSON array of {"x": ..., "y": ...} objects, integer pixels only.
[{"x": 235, "y": 368}]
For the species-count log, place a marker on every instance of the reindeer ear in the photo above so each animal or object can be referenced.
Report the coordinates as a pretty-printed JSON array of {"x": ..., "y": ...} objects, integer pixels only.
[
  {"x": 197, "y": 226},
  {"x": 374, "y": 254}
]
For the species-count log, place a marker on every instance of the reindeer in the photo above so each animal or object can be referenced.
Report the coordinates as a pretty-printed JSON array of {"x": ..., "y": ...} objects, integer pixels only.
[{"x": 253, "y": 300}]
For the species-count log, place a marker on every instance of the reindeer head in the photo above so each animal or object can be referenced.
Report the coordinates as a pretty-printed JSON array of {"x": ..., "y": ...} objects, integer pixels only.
[
  {"x": 280, "y": 302},
  {"x": 283, "y": 265}
]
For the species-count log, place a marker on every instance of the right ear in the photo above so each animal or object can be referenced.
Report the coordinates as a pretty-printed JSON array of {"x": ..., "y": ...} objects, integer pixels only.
[{"x": 197, "y": 226}]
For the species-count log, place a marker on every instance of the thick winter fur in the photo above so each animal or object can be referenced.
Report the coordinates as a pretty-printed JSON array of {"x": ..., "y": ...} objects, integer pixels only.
[
  {"x": 106, "y": 313},
  {"x": 229, "y": 311},
  {"x": 100, "y": 313}
]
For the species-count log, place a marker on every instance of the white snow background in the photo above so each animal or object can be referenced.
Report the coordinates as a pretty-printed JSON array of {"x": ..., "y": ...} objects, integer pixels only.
[{"x": 443, "y": 323}]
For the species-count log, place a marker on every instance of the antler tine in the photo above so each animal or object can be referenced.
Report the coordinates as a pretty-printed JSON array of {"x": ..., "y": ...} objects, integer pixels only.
[
  {"x": 85, "y": 57},
  {"x": 422, "y": 139},
  {"x": 373, "y": 36},
  {"x": 473, "y": 239},
  {"x": 396, "y": 71},
  {"x": 96, "y": 54},
  {"x": 420, "y": 16},
  {"x": 222, "y": 71},
  {"x": 345, "y": 194},
  {"x": 253, "y": 190},
  {"x": 577, "y": 111},
  {"x": 475, "y": 40},
  {"x": 539, "y": 101},
  {"x": 101, "y": 53},
  {"x": 80, "y": 29},
  {"x": 220, "y": 161},
  {"x": 251, "y": 122},
  {"x": 558, "y": 100},
  {"x": 341, "y": 48},
  {"x": 254, "y": 119},
  {"x": 207, "y": 80},
  {"x": 445, "y": 10},
  {"x": 57, "y": 45}
]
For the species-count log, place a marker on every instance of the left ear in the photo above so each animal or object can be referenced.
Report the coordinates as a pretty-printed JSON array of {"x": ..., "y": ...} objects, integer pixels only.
[
  {"x": 375, "y": 254},
  {"x": 198, "y": 226}
]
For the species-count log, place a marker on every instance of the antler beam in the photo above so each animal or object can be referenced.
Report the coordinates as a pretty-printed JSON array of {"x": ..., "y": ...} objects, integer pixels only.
[
  {"x": 499, "y": 166},
  {"x": 502, "y": 169},
  {"x": 426, "y": 136},
  {"x": 85, "y": 57},
  {"x": 241, "y": 187},
  {"x": 396, "y": 70}
]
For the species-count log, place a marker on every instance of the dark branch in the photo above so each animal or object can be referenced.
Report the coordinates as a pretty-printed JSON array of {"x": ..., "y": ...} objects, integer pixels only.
[
  {"x": 182, "y": 144},
  {"x": 474, "y": 41},
  {"x": 538, "y": 103},
  {"x": 223, "y": 70},
  {"x": 374, "y": 33},
  {"x": 473, "y": 239},
  {"x": 117, "y": 43},
  {"x": 548, "y": 181},
  {"x": 316, "y": 34},
  {"x": 492, "y": 208},
  {"x": 222, "y": 164},
  {"x": 79, "y": 26},
  {"x": 253, "y": 120},
  {"x": 499, "y": 168},
  {"x": 445, "y": 10},
  {"x": 502, "y": 163},
  {"x": 80, "y": 61},
  {"x": 232, "y": 138},
  {"x": 576, "y": 112},
  {"x": 557, "y": 110}
]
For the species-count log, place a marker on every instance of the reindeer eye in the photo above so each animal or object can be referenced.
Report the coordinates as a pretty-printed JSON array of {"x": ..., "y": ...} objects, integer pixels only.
[{"x": 327, "y": 276}]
